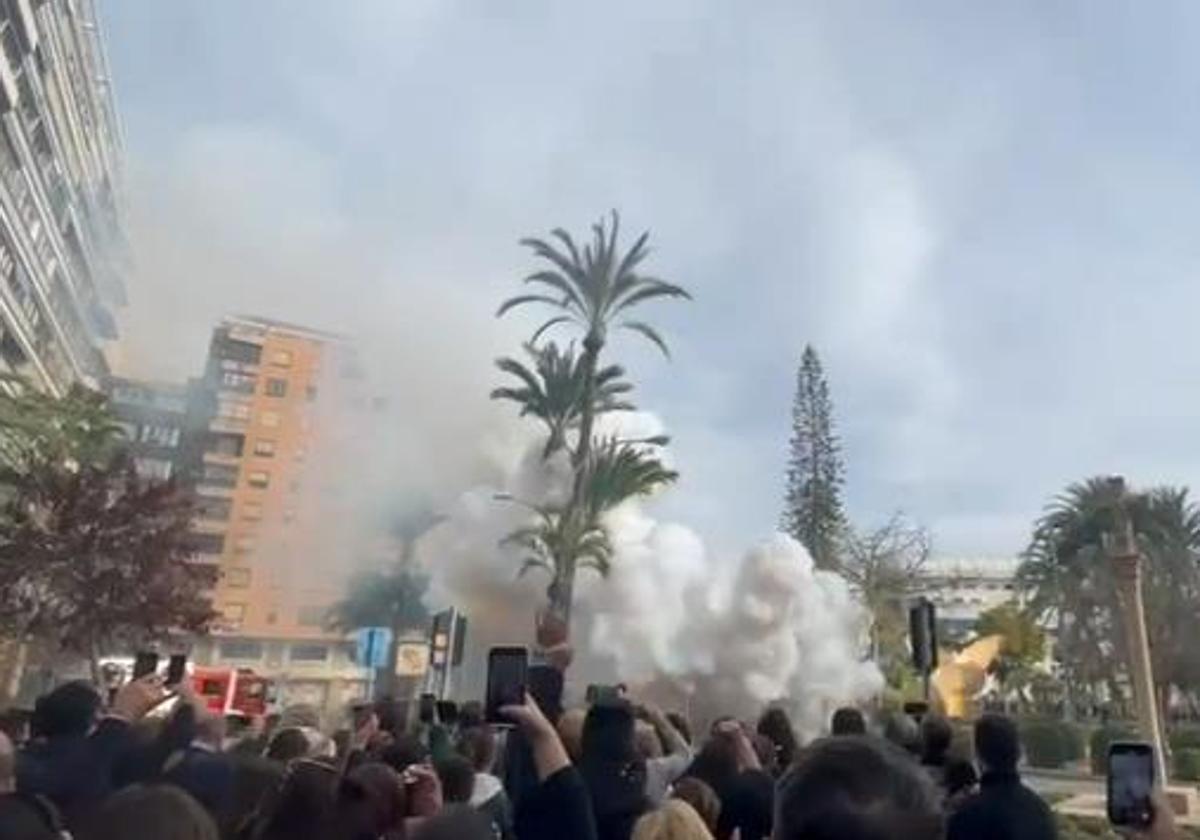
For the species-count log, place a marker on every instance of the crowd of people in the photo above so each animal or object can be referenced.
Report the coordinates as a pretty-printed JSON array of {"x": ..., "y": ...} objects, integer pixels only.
[{"x": 614, "y": 770}]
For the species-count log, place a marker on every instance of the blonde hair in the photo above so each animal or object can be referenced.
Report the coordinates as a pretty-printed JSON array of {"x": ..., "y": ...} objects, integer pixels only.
[{"x": 673, "y": 820}]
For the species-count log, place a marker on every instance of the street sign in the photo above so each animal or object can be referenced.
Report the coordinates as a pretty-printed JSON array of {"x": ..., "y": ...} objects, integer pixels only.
[{"x": 371, "y": 645}]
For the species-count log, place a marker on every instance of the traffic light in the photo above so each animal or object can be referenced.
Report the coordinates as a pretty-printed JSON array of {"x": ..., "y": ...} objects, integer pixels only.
[{"x": 922, "y": 630}]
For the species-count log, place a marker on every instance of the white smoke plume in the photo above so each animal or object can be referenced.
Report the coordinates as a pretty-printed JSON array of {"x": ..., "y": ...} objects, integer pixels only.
[{"x": 737, "y": 634}]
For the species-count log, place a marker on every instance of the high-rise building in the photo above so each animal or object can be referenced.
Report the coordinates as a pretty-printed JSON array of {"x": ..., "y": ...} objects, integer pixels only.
[
  {"x": 154, "y": 418},
  {"x": 270, "y": 505},
  {"x": 62, "y": 250}
]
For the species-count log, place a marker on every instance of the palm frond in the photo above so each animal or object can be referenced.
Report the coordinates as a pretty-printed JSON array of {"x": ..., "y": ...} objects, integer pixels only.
[{"x": 649, "y": 332}]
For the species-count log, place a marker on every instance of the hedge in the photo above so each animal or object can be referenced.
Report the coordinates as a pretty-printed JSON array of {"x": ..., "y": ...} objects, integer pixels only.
[
  {"x": 1187, "y": 764},
  {"x": 1050, "y": 743},
  {"x": 1103, "y": 736}
]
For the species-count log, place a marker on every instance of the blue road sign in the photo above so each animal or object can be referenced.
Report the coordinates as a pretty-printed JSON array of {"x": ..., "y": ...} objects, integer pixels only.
[{"x": 371, "y": 646}]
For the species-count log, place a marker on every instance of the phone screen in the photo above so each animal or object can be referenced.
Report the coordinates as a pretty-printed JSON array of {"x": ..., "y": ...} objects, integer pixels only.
[
  {"x": 507, "y": 678},
  {"x": 427, "y": 708},
  {"x": 447, "y": 711},
  {"x": 145, "y": 663},
  {"x": 1130, "y": 782},
  {"x": 176, "y": 668}
]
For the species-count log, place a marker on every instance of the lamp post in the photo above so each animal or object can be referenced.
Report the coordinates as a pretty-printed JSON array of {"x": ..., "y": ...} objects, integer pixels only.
[{"x": 1127, "y": 572}]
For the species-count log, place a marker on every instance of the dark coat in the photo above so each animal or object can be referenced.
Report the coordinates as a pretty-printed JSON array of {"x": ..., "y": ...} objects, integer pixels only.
[
  {"x": 74, "y": 771},
  {"x": 1004, "y": 809},
  {"x": 206, "y": 775},
  {"x": 557, "y": 809}
]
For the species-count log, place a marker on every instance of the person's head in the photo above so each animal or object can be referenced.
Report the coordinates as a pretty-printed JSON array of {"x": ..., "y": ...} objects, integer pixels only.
[
  {"x": 608, "y": 733},
  {"x": 615, "y": 774},
  {"x": 856, "y": 788},
  {"x": 478, "y": 745},
  {"x": 301, "y": 805},
  {"x": 776, "y": 726},
  {"x": 456, "y": 822},
  {"x": 673, "y": 820},
  {"x": 997, "y": 744},
  {"x": 457, "y": 777},
  {"x": 645, "y": 736},
  {"x": 570, "y": 731},
  {"x": 901, "y": 730},
  {"x": 26, "y": 816},
  {"x": 288, "y": 744},
  {"x": 701, "y": 797},
  {"x": 159, "y": 811},
  {"x": 680, "y": 724},
  {"x": 254, "y": 779},
  {"x": 371, "y": 802},
  {"x": 8, "y": 765},
  {"x": 71, "y": 709},
  {"x": 717, "y": 763},
  {"x": 470, "y": 715},
  {"x": 936, "y": 735},
  {"x": 405, "y": 751},
  {"x": 210, "y": 729},
  {"x": 848, "y": 721}
]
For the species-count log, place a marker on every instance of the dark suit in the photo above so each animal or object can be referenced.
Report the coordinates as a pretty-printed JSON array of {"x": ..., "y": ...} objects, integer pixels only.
[
  {"x": 1004, "y": 809},
  {"x": 204, "y": 773},
  {"x": 74, "y": 771}
]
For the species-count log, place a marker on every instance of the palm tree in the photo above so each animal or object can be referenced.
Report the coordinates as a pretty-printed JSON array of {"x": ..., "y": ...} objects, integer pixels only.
[
  {"x": 594, "y": 288},
  {"x": 552, "y": 391}
]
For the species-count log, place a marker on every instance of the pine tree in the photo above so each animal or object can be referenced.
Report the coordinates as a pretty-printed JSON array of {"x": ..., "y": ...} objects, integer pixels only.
[{"x": 812, "y": 502}]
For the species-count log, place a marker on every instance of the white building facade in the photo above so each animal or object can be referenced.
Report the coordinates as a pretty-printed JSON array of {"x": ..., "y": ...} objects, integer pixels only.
[{"x": 963, "y": 588}]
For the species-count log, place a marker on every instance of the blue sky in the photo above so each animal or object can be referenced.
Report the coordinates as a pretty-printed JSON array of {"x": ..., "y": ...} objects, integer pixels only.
[{"x": 981, "y": 214}]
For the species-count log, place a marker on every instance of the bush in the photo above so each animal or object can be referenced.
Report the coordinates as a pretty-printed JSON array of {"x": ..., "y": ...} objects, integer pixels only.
[
  {"x": 1184, "y": 738},
  {"x": 1050, "y": 743},
  {"x": 1103, "y": 736},
  {"x": 1187, "y": 764}
]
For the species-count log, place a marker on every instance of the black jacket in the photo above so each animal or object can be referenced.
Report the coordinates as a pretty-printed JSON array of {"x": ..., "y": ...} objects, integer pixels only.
[
  {"x": 557, "y": 809},
  {"x": 74, "y": 771},
  {"x": 1004, "y": 809},
  {"x": 207, "y": 775}
]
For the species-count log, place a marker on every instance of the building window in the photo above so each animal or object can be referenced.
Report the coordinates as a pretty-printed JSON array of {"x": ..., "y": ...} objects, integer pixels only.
[
  {"x": 272, "y": 617},
  {"x": 245, "y": 543},
  {"x": 309, "y": 653},
  {"x": 264, "y": 448},
  {"x": 153, "y": 469},
  {"x": 237, "y": 578},
  {"x": 252, "y": 510},
  {"x": 276, "y": 387},
  {"x": 233, "y": 410},
  {"x": 219, "y": 475},
  {"x": 312, "y": 615},
  {"x": 270, "y": 419},
  {"x": 239, "y": 648},
  {"x": 207, "y": 543},
  {"x": 282, "y": 358},
  {"x": 214, "y": 508},
  {"x": 226, "y": 444},
  {"x": 242, "y": 383},
  {"x": 157, "y": 435},
  {"x": 258, "y": 478},
  {"x": 240, "y": 351}
]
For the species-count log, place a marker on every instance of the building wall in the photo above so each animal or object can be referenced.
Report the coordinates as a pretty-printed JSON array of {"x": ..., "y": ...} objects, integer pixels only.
[
  {"x": 154, "y": 417},
  {"x": 962, "y": 589}
]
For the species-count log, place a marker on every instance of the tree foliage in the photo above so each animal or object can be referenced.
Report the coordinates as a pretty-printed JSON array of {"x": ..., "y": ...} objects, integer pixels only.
[
  {"x": 1024, "y": 640},
  {"x": 392, "y": 598},
  {"x": 812, "y": 511}
]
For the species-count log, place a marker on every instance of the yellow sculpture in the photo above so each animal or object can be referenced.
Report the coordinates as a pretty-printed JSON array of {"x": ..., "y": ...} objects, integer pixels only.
[{"x": 959, "y": 678}]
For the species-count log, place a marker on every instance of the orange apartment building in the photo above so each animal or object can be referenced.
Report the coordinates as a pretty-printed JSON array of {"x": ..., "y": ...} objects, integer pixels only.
[{"x": 269, "y": 501}]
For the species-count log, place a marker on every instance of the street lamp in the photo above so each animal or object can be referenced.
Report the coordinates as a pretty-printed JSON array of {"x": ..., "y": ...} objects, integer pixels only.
[{"x": 1127, "y": 572}]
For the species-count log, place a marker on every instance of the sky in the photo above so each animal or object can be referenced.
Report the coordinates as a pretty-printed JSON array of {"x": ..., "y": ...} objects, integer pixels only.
[{"x": 981, "y": 215}]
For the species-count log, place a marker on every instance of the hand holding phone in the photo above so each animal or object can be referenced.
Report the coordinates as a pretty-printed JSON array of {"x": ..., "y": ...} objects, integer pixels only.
[
  {"x": 176, "y": 669},
  {"x": 145, "y": 662},
  {"x": 507, "y": 681},
  {"x": 1130, "y": 784}
]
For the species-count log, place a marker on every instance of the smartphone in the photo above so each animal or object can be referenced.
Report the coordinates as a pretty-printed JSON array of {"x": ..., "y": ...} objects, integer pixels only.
[
  {"x": 427, "y": 711},
  {"x": 176, "y": 669},
  {"x": 1130, "y": 783},
  {"x": 507, "y": 681},
  {"x": 602, "y": 694},
  {"x": 447, "y": 712},
  {"x": 145, "y": 663}
]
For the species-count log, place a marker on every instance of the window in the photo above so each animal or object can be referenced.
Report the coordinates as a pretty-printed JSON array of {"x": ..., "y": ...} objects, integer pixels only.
[
  {"x": 233, "y": 612},
  {"x": 160, "y": 435},
  {"x": 312, "y": 615},
  {"x": 264, "y": 448},
  {"x": 270, "y": 419},
  {"x": 240, "y": 648},
  {"x": 245, "y": 543},
  {"x": 258, "y": 478},
  {"x": 207, "y": 543},
  {"x": 309, "y": 653},
  {"x": 153, "y": 469},
  {"x": 233, "y": 410},
  {"x": 237, "y": 578},
  {"x": 311, "y": 393},
  {"x": 282, "y": 358},
  {"x": 242, "y": 383},
  {"x": 214, "y": 508},
  {"x": 272, "y": 617},
  {"x": 276, "y": 387},
  {"x": 219, "y": 475},
  {"x": 226, "y": 443},
  {"x": 252, "y": 510},
  {"x": 240, "y": 351}
]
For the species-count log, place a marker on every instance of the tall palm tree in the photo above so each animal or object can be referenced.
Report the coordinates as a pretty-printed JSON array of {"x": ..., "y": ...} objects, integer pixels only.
[{"x": 552, "y": 390}]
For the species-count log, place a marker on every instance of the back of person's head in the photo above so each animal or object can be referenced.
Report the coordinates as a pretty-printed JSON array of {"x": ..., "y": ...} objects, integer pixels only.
[
  {"x": 30, "y": 817},
  {"x": 478, "y": 745},
  {"x": 615, "y": 774},
  {"x": 856, "y": 788},
  {"x": 777, "y": 726},
  {"x": 570, "y": 731},
  {"x": 680, "y": 724},
  {"x": 457, "y": 777},
  {"x": 301, "y": 805},
  {"x": 470, "y": 715},
  {"x": 848, "y": 721},
  {"x": 673, "y": 820},
  {"x": 254, "y": 779},
  {"x": 288, "y": 744},
  {"x": 716, "y": 764},
  {"x": 701, "y": 797},
  {"x": 371, "y": 803},
  {"x": 70, "y": 709},
  {"x": 645, "y": 737},
  {"x": 456, "y": 822},
  {"x": 936, "y": 735},
  {"x": 902, "y": 730},
  {"x": 404, "y": 752},
  {"x": 997, "y": 744},
  {"x": 608, "y": 733},
  {"x": 159, "y": 811}
]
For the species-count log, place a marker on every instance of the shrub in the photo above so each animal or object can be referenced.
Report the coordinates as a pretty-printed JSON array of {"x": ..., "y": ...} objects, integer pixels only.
[
  {"x": 1187, "y": 764},
  {"x": 1185, "y": 738},
  {"x": 1103, "y": 736},
  {"x": 1050, "y": 743}
]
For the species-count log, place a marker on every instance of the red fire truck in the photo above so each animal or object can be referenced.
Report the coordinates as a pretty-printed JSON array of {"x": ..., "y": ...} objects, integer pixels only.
[{"x": 231, "y": 690}]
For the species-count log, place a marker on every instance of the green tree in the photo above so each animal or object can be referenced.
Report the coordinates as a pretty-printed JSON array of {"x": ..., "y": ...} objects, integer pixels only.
[
  {"x": 594, "y": 288},
  {"x": 1023, "y": 650},
  {"x": 39, "y": 429},
  {"x": 812, "y": 511}
]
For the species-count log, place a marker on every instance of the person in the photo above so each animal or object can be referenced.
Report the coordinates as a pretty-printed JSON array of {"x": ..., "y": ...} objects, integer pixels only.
[
  {"x": 776, "y": 726},
  {"x": 936, "y": 737},
  {"x": 487, "y": 793},
  {"x": 254, "y": 778},
  {"x": 731, "y": 767},
  {"x": 456, "y": 822},
  {"x": 30, "y": 817},
  {"x": 71, "y": 758},
  {"x": 1004, "y": 808},
  {"x": 614, "y": 772},
  {"x": 300, "y": 808},
  {"x": 292, "y": 742},
  {"x": 200, "y": 768},
  {"x": 570, "y": 730},
  {"x": 960, "y": 782},
  {"x": 902, "y": 730},
  {"x": 371, "y": 803},
  {"x": 673, "y": 820},
  {"x": 163, "y": 812},
  {"x": 848, "y": 721},
  {"x": 457, "y": 777},
  {"x": 702, "y": 798},
  {"x": 681, "y": 726},
  {"x": 559, "y": 805},
  {"x": 856, "y": 787},
  {"x": 665, "y": 766}
]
